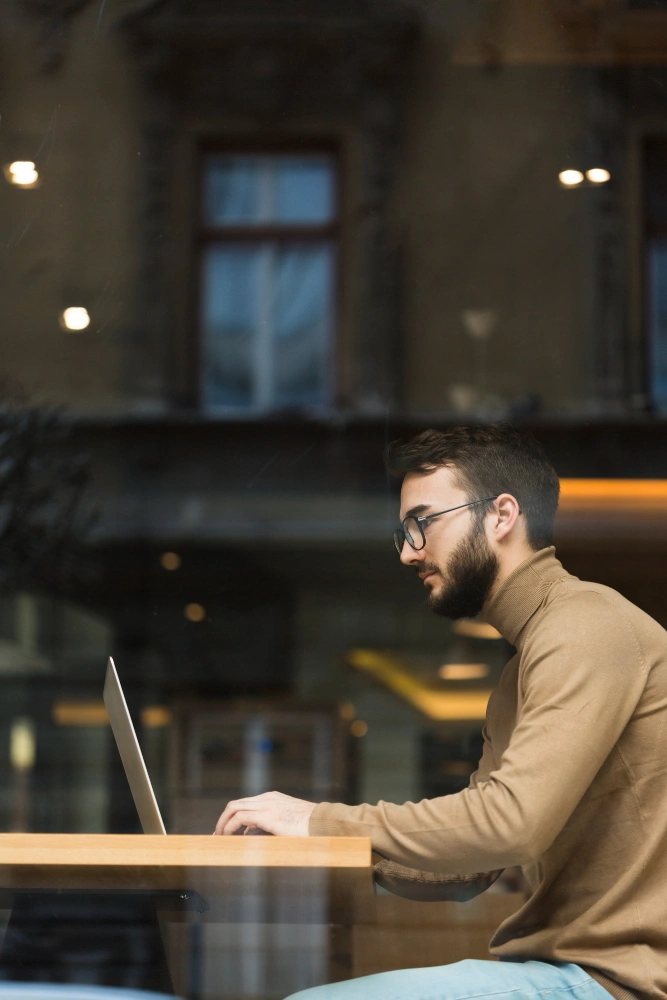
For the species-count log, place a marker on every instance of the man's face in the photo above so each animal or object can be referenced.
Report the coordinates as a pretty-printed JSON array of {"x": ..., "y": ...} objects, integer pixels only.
[{"x": 457, "y": 565}]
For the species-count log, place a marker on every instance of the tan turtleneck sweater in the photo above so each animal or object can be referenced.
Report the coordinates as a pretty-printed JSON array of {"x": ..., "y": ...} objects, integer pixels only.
[{"x": 572, "y": 784}]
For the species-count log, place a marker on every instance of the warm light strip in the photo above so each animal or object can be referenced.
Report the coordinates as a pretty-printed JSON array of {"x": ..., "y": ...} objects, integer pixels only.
[
  {"x": 463, "y": 671},
  {"x": 93, "y": 713},
  {"x": 475, "y": 630},
  {"x": 155, "y": 716},
  {"x": 80, "y": 713},
  {"x": 620, "y": 494},
  {"x": 439, "y": 705}
]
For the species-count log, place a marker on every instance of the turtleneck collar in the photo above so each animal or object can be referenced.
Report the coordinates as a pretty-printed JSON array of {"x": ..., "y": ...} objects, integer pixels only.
[{"x": 521, "y": 594}]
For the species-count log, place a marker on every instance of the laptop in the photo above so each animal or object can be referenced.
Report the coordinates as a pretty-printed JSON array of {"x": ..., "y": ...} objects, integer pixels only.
[{"x": 130, "y": 753}]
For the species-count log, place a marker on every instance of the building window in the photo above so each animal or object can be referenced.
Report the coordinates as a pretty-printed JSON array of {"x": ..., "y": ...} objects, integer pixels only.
[
  {"x": 269, "y": 242},
  {"x": 656, "y": 271}
]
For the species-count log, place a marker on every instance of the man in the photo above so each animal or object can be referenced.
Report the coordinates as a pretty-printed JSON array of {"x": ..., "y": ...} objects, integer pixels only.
[{"x": 572, "y": 784}]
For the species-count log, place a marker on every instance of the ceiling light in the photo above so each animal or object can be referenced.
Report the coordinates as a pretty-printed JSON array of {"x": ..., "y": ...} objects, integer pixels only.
[
  {"x": 170, "y": 560},
  {"x": 463, "y": 671},
  {"x": 358, "y": 728},
  {"x": 22, "y": 173},
  {"x": 195, "y": 612},
  {"x": 570, "y": 178},
  {"x": 598, "y": 175},
  {"x": 347, "y": 711},
  {"x": 475, "y": 630},
  {"x": 75, "y": 318}
]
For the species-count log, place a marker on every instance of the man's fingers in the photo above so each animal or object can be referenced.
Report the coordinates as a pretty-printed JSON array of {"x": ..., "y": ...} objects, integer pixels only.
[
  {"x": 234, "y": 822},
  {"x": 231, "y": 809},
  {"x": 229, "y": 822},
  {"x": 252, "y": 809},
  {"x": 225, "y": 817},
  {"x": 238, "y": 820}
]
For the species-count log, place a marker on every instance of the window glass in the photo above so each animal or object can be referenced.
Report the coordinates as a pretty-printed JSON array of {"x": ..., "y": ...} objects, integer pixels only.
[
  {"x": 655, "y": 202},
  {"x": 657, "y": 268},
  {"x": 229, "y": 316},
  {"x": 231, "y": 190},
  {"x": 254, "y": 190},
  {"x": 302, "y": 296},
  {"x": 267, "y": 298},
  {"x": 304, "y": 189},
  {"x": 266, "y": 325},
  {"x": 249, "y": 244}
]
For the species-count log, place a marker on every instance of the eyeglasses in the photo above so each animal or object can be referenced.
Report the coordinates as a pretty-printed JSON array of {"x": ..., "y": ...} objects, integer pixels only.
[{"x": 412, "y": 528}]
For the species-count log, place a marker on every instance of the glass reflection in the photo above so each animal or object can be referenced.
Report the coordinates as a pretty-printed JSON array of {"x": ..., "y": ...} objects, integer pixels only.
[
  {"x": 250, "y": 190},
  {"x": 657, "y": 269},
  {"x": 244, "y": 256},
  {"x": 228, "y": 325},
  {"x": 266, "y": 319},
  {"x": 303, "y": 307}
]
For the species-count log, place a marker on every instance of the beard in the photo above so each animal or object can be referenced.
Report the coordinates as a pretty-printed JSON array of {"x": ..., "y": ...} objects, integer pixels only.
[{"x": 470, "y": 573}]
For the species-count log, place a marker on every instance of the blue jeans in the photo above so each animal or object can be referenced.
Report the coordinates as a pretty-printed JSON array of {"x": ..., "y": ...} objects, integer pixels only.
[{"x": 473, "y": 979}]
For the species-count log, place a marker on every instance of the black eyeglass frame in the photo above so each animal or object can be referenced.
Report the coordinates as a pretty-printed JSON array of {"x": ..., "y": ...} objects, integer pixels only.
[{"x": 400, "y": 535}]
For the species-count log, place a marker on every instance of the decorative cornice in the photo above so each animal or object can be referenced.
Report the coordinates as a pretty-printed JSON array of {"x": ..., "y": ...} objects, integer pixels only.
[
  {"x": 52, "y": 19},
  {"x": 273, "y": 55}
]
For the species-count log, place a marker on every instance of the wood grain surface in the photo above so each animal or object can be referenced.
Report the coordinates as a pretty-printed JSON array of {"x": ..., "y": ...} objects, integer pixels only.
[{"x": 102, "y": 850}]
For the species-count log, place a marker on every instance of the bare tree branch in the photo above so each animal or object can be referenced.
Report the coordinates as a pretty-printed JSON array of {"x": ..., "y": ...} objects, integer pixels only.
[{"x": 42, "y": 484}]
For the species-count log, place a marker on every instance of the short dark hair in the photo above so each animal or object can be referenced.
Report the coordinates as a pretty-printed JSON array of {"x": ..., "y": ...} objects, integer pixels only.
[{"x": 488, "y": 460}]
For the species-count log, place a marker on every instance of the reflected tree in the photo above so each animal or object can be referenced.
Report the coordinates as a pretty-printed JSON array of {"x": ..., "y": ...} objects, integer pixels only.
[{"x": 42, "y": 486}]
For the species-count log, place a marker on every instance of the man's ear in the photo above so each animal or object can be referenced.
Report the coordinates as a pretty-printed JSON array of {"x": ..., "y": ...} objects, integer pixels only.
[{"x": 506, "y": 512}]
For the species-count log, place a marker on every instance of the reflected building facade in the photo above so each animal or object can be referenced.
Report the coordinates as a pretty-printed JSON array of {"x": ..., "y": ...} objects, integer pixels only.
[{"x": 298, "y": 232}]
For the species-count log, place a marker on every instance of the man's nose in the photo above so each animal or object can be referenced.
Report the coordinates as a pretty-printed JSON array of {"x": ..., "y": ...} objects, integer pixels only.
[{"x": 410, "y": 556}]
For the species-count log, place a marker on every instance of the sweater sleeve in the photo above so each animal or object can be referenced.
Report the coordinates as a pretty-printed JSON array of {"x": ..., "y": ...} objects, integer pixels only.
[
  {"x": 486, "y": 762},
  {"x": 581, "y": 677}
]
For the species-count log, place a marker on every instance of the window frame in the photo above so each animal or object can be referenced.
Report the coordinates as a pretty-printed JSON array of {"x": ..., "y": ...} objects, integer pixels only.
[
  {"x": 262, "y": 233},
  {"x": 652, "y": 232}
]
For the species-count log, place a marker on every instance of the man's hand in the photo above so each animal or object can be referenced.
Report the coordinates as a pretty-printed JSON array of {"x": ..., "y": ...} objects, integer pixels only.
[{"x": 272, "y": 812}]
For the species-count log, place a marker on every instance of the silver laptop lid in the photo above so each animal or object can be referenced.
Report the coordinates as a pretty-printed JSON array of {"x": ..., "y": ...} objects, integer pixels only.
[{"x": 130, "y": 753}]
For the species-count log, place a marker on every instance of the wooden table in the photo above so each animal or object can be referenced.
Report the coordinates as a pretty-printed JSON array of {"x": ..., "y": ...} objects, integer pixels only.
[{"x": 124, "y": 888}]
